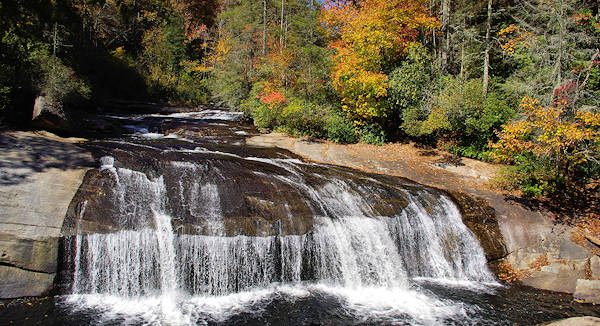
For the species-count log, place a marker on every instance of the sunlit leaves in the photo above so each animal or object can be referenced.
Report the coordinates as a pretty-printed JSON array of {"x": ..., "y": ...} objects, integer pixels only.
[
  {"x": 512, "y": 38},
  {"x": 366, "y": 37},
  {"x": 549, "y": 134}
]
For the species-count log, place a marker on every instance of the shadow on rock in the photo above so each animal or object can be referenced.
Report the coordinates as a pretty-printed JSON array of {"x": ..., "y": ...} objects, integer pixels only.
[{"x": 25, "y": 154}]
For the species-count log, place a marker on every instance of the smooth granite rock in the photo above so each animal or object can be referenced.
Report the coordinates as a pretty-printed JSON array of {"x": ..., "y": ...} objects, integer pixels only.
[
  {"x": 39, "y": 175},
  {"x": 16, "y": 282},
  {"x": 577, "y": 321},
  {"x": 595, "y": 267},
  {"x": 553, "y": 282},
  {"x": 588, "y": 291},
  {"x": 570, "y": 250}
]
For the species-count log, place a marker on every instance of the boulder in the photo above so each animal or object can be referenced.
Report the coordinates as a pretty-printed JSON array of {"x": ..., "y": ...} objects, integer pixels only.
[
  {"x": 560, "y": 282},
  {"x": 48, "y": 116},
  {"x": 565, "y": 262},
  {"x": 588, "y": 291}
]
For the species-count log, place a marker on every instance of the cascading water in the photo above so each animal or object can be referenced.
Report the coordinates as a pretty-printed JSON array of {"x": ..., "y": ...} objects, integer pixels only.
[{"x": 193, "y": 241}]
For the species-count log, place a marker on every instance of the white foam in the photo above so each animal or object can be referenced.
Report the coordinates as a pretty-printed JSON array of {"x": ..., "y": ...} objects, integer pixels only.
[
  {"x": 204, "y": 115},
  {"x": 128, "y": 311},
  {"x": 128, "y": 117},
  {"x": 394, "y": 304},
  {"x": 152, "y": 135},
  {"x": 372, "y": 304},
  {"x": 107, "y": 162}
]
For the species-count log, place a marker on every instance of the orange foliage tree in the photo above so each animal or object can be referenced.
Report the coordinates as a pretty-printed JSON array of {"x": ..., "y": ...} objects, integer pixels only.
[{"x": 367, "y": 35}]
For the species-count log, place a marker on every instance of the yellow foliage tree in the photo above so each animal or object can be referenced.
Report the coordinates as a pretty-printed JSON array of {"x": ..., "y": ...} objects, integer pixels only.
[
  {"x": 369, "y": 34},
  {"x": 549, "y": 134}
]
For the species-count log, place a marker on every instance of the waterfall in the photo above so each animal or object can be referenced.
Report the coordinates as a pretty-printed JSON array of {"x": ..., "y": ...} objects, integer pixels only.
[
  {"x": 77, "y": 269},
  {"x": 352, "y": 247},
  {"x": 136, "y": 262}
]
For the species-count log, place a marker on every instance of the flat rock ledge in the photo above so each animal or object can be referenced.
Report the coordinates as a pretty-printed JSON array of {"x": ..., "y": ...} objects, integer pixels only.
[
  {"x": 576, "y": 321},
  {"x": 39, "y": 175},
  {"x": 587, "y": 291}
]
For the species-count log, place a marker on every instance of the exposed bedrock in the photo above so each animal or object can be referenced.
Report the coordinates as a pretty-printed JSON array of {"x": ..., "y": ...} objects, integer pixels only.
[
  {"x": 39, "y": 174},
  {"x": 525, "y": 238},
  {"x": 41, "y": 183}
]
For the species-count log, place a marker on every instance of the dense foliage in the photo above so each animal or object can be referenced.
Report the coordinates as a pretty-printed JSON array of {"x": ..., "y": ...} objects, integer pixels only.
[
  {"x": 510, "y": 80},
  {"x": 78, "y": 51},
  {"x": 552, "y": 149}
]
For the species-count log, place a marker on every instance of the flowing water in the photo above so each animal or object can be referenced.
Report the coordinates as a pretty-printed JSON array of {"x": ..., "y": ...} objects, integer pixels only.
[{"x": 183, "y": 224}]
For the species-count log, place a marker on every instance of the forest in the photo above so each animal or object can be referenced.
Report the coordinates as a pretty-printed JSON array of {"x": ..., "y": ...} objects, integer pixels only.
[{"x": 508, "y": 81}]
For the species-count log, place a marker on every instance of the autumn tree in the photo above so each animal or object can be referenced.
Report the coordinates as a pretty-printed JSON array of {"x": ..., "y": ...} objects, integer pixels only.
[
  {"x": 550, "y": 148},
  {"x": 369, "y": 37}
]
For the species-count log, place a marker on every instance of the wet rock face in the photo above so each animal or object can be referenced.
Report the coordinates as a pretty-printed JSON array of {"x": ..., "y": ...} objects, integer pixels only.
[
  {"x": 480, "y": 218},
  {"x": 210, "y": 192}
]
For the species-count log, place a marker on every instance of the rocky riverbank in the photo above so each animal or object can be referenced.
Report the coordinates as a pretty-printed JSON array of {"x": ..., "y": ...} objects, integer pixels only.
[
  {"x": 523, "y": 240},
  {"x": 42, "y": 172}
]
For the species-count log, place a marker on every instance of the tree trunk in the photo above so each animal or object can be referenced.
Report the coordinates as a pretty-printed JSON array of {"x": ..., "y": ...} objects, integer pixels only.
[
  {"x": 446, "y": 30},
  {"x": 264, "y": 36},
  {"x": 462, "y": 60},
  {"x": 561, "y": 36},
  {"x": 282, "y": 22},
  {"x": 486, "y": 61},
  {"x": 310, "y": 63},
  {"x": 282, "y": 40}
]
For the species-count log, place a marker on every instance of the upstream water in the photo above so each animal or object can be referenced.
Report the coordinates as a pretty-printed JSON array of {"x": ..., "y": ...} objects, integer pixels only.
[{"x": 184, "y": 224}]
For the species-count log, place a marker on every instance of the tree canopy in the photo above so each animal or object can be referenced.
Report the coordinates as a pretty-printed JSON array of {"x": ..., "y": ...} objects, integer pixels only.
[{"x": 511, "y": 80}]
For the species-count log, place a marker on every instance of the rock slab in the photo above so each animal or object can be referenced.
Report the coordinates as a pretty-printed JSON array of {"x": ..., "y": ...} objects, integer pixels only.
[
  {"x": 588, "y": 291},
  {"x": 595, "y": 267},
  {"x": 39, "y": 175},
  {"x": 577, "y": 321},
  {"x": 16, "y": 282}
]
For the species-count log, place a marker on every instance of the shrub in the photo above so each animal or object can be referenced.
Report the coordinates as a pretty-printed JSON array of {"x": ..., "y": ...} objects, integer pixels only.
[
  {"x": 549, "y": 147},
  {"x": 301, "y": 117},
  {"x": 274, "y": 110},
  {"x": 533, "y": 178},
  {"x": 460, "y": 115},
  {"x": 62, "y": 86},
  {"x": 339, "y": 129},
  {"x": 372, "y": 134}
]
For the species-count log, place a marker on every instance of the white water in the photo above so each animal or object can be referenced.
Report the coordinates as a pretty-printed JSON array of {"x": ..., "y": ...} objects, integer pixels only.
[
  {"x": 204, "y": 115},
  {"x": 150, "y": 274}
]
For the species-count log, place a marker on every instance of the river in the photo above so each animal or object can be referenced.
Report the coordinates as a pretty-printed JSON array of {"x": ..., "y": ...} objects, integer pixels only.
[{"x": 183, "y": 223}]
